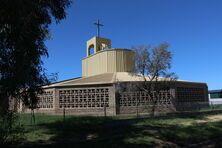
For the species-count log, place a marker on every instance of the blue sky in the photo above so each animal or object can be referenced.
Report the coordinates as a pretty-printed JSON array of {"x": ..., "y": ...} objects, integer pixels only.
[{"x": 193, "y": 28}]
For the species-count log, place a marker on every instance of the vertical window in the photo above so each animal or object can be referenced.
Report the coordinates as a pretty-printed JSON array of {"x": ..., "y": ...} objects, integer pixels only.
[{"x": 91, "y": 50}]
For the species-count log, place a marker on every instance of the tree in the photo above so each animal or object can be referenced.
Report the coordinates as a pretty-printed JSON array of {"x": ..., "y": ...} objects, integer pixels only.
[
  {"x": 153, "y": 65},
  {"x": 24, "y": 26}
]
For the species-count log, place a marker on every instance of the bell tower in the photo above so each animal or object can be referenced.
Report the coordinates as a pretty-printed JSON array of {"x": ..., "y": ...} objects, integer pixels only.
[
  {"x": 101, "y": 58},
  {"x": 97, "y": 44}
]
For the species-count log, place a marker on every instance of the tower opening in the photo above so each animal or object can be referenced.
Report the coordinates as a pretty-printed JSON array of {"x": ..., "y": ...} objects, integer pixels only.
[
  {"x": 97, "y": 44},
  {"x": 91, "y": 50}
]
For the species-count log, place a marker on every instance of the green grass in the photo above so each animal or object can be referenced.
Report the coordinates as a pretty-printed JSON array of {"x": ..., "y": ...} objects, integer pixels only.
[
  {"x": 171, "y": 130},
  {"x": 213, "y": 107},
  {"x": 219, "y": 106}
]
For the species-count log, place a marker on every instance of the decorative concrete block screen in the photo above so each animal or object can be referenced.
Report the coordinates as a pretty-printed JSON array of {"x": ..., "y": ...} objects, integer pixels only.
[
  {"x": 190, "y": 94},
  {"x": 140, "y": 98},
  {"x": 84, "y": 98},
  {"x": 45, "y": 100}
]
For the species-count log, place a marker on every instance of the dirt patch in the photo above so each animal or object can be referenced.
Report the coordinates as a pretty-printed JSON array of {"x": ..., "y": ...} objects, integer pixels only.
[
  {"x": 210, "y": 118},
  {"x": 214, "y": 118}
]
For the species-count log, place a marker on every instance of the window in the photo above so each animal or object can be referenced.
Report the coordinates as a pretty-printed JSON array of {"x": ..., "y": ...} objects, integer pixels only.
[
  {"x": 45, "y": 100},
  {"x": 139, "y": 98},
  {"x": 84, "y": 98},
  {"x": 190, "y": 94},
  {"x": 91, "y": 50}
]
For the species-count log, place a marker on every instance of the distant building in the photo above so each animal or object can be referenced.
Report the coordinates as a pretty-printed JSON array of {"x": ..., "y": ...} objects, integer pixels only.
[
  {"x": 215, "y": 97},
  {"x": 96, "y": 92}
]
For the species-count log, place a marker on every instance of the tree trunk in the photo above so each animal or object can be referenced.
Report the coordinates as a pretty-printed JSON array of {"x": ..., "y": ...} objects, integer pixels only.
[
  {"x": 4, "y": 105},
  {"x": 137, "y": 111},
  {"x": 33, "y": 115},
  {"x": 153, "y": 108}
]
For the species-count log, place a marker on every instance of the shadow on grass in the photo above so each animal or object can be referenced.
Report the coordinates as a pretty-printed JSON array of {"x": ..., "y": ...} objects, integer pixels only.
[
  {"x": 85, "y": 132},
  {"x": 111, "y": 132}
]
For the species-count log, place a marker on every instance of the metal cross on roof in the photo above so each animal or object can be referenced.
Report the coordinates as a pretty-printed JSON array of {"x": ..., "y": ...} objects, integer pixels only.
[{"x": 98, "y": 27}]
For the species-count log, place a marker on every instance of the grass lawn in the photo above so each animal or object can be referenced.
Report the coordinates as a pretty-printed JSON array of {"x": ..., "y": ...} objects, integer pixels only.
[{"x": 194, "y": 130}]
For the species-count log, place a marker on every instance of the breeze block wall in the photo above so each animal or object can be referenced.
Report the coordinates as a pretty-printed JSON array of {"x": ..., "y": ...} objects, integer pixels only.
[{"x": 191, "y": 96}]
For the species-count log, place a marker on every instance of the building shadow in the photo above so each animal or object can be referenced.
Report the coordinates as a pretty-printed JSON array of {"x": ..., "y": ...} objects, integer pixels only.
[{"x": 131, "y": 133}]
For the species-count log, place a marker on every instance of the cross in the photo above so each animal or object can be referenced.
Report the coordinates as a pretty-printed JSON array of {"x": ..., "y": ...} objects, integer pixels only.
[{"x": 98, "y": 27}]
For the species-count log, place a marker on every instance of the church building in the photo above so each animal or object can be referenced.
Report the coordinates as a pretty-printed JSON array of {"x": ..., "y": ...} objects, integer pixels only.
[{"x": 96, "y": 92}]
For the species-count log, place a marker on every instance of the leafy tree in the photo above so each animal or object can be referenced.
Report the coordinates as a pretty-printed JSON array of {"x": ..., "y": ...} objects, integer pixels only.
[{"x": 24, "y": 27}]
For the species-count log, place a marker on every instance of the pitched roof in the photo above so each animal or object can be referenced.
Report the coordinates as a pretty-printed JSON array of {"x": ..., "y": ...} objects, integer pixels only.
[
  {"x": 97, "y": 79},
  {"x": 106, "y": 78}
]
